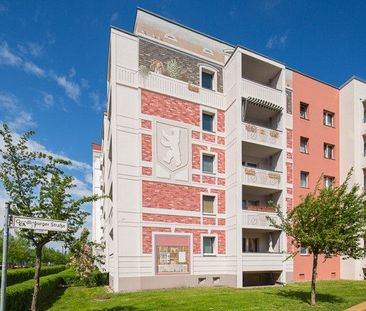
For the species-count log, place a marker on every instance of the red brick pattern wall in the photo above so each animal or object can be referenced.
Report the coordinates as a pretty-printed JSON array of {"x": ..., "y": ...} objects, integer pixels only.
[
  {"x": 147, "y": 171},
  {"x": 220, "y": 121},
  {"x": 221, "y": 200},
  {"x": 171, "y": 196},
  {"x": 171, "y": 218},
  {"x": 169, "y": 108},
  {"x": 221, "y": 245},
  {"x": 146, "y": 152},
  {"x": 146, "y": 124},
  {"x": 220, "y": 159},
  {"x": 289, "y": 138},
  {"x": 289, "y": 168},
  {"x": 196, "y": 237},
  {"x": 196, "y": 155},
  {"x": 147, "y": 237}
]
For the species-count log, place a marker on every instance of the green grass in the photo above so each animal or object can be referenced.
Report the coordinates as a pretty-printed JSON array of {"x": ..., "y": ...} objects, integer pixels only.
[{"x": 332, "y": 295}]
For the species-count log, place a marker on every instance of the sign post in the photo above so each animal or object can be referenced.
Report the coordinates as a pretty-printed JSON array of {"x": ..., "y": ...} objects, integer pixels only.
[
  {"x": 4, "y": 267},
  {"x": 39, "y": 225}
]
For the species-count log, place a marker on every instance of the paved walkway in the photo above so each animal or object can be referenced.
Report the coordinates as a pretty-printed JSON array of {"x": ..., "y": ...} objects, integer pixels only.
[{"x": 360, "y": 307}]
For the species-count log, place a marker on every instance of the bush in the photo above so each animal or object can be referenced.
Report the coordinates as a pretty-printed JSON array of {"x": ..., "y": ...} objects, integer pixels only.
[
  {"x": 99, "y": 278},
  {"x": 20, "y": 275},
  {"x": 70, "y": 278},
  {"x": 19, "y": 296}
]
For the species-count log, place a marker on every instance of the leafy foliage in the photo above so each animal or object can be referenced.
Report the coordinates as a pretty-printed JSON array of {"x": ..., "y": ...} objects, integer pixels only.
[
  {"x": 329, "y": 221},
  {"x": 83, "y": 259},
  {"x": 15, "y": 276},
  {"x": 37, "y": 187}
]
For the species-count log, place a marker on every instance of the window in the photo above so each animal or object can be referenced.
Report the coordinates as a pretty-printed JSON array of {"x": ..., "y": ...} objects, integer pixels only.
[
  {"x": 328, "y": 151},
  {"x": 208, "y": 204},
  {"x": 207, "y": 80},
  {"x": 304, "y": 251},
  {"x": 364, "y": 111},
  {"x": 250, "y": 245},
  {"x": 247, "y": 203},
  {"x": 328, "y": 118},
  {"x": 304, "y": 110},
  {"x": 364, "y": 145},
  {"x": 209, "y": 245},
  {"x": 304, "y": 179},
  {"x": 328, "y": 181},
  {"x": 304, "y": 145},
  {"x": 208, "y": 121},
  {"x": 249, "y": 164},
  {"x": 208, "y": 163}
]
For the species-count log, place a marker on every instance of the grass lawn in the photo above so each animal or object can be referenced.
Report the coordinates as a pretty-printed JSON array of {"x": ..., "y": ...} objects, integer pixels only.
[{"x": 332, "y": 295}]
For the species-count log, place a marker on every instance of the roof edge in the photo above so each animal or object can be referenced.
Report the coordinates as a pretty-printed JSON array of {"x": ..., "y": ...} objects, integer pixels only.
[{"x": 351, "y": 79}]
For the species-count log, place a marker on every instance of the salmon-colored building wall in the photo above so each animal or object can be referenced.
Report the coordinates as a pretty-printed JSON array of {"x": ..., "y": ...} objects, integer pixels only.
[{"x": 319, "y": 97}]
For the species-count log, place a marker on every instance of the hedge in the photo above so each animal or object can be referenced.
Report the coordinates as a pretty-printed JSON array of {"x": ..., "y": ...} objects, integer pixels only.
[
  {"x": 20, "y": 275},
  {"x": 19, "y": 296}
]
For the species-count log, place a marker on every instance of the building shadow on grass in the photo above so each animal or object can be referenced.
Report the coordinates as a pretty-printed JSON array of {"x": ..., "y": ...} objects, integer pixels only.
[{"x": 305, "y": 296}]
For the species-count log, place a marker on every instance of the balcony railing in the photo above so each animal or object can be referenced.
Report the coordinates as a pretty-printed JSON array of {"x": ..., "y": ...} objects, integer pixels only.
[
  {"x": 258, "y": 219},
  {"x": 169, "y": 86},
  {"x": 261, "y": 135},
  {"x": 256, "y": 90},
  {"x": 260, "y": 208},
  {"x": 263, "y": 261},
  {"x": 262, "y": 178}
]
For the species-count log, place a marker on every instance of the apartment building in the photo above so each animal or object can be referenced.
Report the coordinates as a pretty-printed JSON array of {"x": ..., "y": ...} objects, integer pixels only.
[{"x": 200, "y": 141}]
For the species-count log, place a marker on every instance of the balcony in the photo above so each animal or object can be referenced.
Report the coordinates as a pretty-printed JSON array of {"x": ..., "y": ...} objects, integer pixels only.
[
  {"x": 258, "y": 219},
  {"x": 262, "y": 178},
  {"x": 263, "y": 262},
  {"x": 261, "y": 135},
  {"x": 169, "y": 86},
  {"x": 256, "y": 90}
]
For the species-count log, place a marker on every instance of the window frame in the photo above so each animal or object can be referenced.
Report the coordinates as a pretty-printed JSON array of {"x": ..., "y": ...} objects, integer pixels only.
[
  {"x": 213, "y": 120},
  {"x": 306, "y": 253},
  {"x": 306, "y": 117},
  {"x": 209, "y": 70},
  {"x": 214, "y": 163},
  {"x": 325, "y": 146},
  {"x": 325, "y": 113},
  {"x": 214, "y": 246},
  {"x": 306, "y": 145},
  {"x": 306, "y": 180},
  {"x": 215, "y": 203},
  {"x": 327, "y": 177}
]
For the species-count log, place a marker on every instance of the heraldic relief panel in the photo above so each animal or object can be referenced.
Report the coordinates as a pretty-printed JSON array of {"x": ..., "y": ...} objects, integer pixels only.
[{"x": 172, "y": 149}]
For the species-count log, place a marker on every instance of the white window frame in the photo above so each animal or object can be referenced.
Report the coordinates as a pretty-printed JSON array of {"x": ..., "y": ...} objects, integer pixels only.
[
  {"x": 326, "y": 146},
  {"x": 329, "y": 178},
  {"x": 325, "y": 113},
  {"x": 207, "y": 153},
  {"x": 306, "y": 251},
  {"x": 307, "y": 179},
  {"x": 211, "y": 70},
  {"x": 306, "y": 145},
  {"x": 211, "y": 111},
  {"x": 215, "y": 203},
  {"x": 306, "y": 112},
  {"x": 215, "y": 247}
]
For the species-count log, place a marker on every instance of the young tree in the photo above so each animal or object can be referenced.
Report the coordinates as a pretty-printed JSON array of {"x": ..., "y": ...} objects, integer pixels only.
[
  {"x": 329, "y": 221},
  {"x": 37, "y": 187},
  {"x": 83, "y": 258}
]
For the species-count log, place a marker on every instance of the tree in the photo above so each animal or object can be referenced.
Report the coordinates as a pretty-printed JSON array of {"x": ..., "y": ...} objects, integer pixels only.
[
  {"x": 54, "y": 256},
  {"x": 83, "y": 259},
  {"x": 329, "y": 221},
  {"x": 19, "y": 250},
  {"x": 37, "y": 187}
]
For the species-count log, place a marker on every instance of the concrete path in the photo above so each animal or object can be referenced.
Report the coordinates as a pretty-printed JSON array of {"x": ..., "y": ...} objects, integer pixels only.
[{"x": 359, "y": 307}]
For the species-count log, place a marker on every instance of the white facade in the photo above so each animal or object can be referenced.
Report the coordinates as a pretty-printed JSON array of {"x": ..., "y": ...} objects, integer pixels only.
[{"x": 353, "y": 153}]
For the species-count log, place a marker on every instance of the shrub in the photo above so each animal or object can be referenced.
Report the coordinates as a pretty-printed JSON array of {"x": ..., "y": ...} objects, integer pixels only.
[
  {"x": 19, "y": 296},
  {"x": 99, "y": 278},
  {"x": 20, "y": 275},
  {"x": 70, "y": 278}
]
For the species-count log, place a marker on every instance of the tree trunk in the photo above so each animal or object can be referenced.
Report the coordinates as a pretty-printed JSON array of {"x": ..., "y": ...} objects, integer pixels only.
[
  {"x": 313, "y": 279},
  {"x": 37, "y": 274}
]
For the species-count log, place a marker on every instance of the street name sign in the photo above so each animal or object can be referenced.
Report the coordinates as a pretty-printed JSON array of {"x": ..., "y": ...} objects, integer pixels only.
[{"x": 39, "y": 224}]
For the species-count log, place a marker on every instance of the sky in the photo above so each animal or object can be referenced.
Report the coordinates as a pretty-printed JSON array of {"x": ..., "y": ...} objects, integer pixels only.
[{"x": 53, "y": 57}]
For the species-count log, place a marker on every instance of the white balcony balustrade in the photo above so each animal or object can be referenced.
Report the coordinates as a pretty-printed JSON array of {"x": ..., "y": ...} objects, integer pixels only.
[
  {"x": 263, "y": 261},
  {"x": 261, "y": 135},
  {"x": 256, "y": 90},
  {"x": 262, "y": 178}
]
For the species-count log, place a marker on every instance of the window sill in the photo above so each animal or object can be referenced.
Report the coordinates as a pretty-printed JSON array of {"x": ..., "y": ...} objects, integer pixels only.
[
  {"x": 209, "y": 174},
  {"x": 331, "y": 126},
  {"x": 208, "y": 132},
  {"x": 209, "y": 214},
  {"x": 307, "y": 187},
  {"x": 306, "y": 119},
  {"x": 209, "y": 255},
  {"x": 305, "y": 153}
]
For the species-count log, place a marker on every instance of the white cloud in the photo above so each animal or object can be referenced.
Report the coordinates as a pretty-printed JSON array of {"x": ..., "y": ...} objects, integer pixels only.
[
  {"x": 31, "y": 48},
  {"x": 34, "y": 69},
  {"x": 7, "y": 57},
  {"x": 72, "y": 89},
  {"x": 97, "y": 104},
  {"x": 23, "y": 121},
  {"x": 277, "y": 41},
  {"x": 8, "y": 102},
  {"x": 80, "y": 190},
  {"x": 48, "y": 100},
  {"x": 114, "y": 17}
]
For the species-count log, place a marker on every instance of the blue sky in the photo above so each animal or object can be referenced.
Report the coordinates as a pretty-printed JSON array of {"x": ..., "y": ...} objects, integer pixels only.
[{"x": 53, "y": 56}]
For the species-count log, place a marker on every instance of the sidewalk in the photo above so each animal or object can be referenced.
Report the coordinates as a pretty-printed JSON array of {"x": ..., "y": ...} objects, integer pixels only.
[{"x": 359, "y": 307}]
